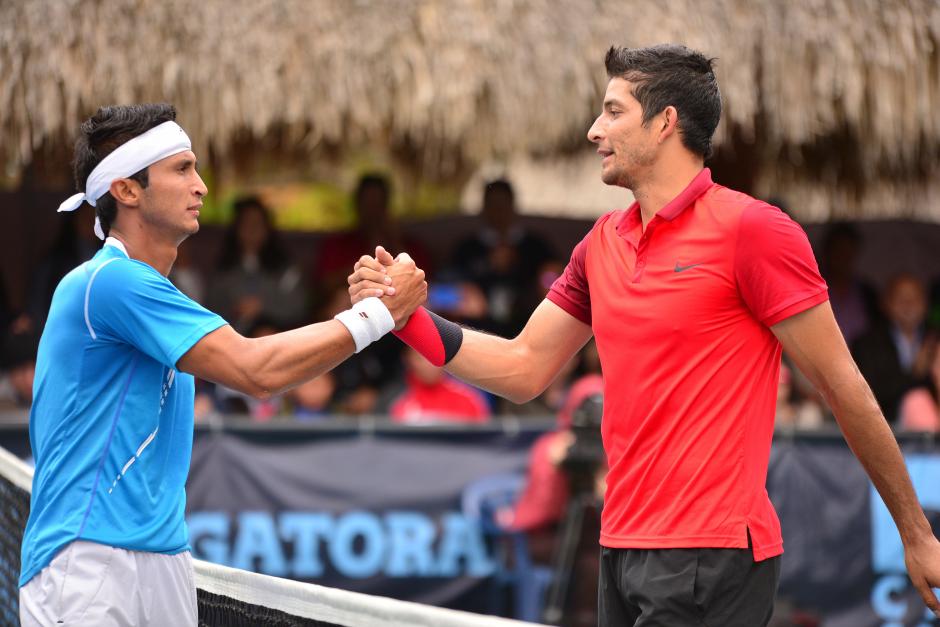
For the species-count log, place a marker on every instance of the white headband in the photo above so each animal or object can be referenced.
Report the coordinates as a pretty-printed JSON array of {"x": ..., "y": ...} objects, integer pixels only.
[{"x": 134, "y": 155}]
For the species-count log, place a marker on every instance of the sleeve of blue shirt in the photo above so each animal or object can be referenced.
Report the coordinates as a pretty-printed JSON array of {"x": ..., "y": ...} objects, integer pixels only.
[{"x": 131, "y": 302}]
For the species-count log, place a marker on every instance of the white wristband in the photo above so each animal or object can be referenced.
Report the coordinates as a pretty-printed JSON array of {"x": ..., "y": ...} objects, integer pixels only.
[{"x": 367, "y": 321}]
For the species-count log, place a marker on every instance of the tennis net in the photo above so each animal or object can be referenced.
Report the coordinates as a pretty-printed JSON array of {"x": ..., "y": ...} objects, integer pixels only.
[{"x": 228, "y": 596}]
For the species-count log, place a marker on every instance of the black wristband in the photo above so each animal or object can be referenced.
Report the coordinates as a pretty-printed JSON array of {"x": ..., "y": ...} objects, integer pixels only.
[{"x": 451, "y": 335}]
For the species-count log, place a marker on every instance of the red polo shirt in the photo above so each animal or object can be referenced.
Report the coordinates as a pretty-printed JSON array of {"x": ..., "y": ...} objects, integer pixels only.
[{"x": 681, "y": 313}]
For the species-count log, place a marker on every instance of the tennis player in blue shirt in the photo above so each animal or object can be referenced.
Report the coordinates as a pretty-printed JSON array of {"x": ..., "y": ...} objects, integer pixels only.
[{"x": 112, "y": 418}]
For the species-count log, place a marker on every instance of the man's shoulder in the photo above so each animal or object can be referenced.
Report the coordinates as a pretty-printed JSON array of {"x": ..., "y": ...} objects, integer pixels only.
[
  {"x": 614, "y": 215},
  {"x": 612, "y": 218},
  {"x": 738, "y": 208},
  {"x": 121, "y": 273},
  {"x": 729, "y": 198},
  {"x": 81, "y": 278}
]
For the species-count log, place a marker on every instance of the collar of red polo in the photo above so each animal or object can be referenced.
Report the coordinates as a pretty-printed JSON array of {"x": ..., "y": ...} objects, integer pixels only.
[
  {"x": 697, "y": 187},
  {"x": 701, "y": 182}
]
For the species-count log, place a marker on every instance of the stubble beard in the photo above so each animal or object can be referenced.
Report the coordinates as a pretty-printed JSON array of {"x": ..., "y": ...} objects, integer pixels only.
[
  {"x": 171, "y": 225},
  {"x": 619, "y": 177},
  {"x": 629, "y": 173}
]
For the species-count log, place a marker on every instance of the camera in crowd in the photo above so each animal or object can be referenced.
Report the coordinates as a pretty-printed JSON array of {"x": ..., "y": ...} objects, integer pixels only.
[{"x": 585, "y": 457}]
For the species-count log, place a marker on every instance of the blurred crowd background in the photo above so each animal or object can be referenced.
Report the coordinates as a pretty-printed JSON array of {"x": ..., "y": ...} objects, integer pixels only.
[
  {"x": 455, "y": 131},
  {"x": 494, "y": 274}
]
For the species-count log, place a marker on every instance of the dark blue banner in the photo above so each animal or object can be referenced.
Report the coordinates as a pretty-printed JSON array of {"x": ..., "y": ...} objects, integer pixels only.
[{"x": 388, "y": 513}]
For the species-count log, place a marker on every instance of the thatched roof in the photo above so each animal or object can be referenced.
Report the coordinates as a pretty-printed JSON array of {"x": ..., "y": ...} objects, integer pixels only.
[{"x": 829, "y": 96}]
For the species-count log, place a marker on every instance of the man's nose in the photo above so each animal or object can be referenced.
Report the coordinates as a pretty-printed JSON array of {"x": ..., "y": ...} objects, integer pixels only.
[
  {"x": 594, "y": 133},
  {"x": 201, "y": 189}
]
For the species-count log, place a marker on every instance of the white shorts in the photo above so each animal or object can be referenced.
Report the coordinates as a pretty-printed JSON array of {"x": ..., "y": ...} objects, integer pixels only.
[{"x": 98, "y": 585}]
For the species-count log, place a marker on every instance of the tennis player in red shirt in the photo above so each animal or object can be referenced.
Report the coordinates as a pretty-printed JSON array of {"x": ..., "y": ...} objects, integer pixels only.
[{"x": 691, "y": 293}]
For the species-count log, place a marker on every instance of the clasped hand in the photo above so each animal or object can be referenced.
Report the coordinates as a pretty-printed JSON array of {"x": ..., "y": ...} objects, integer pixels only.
[{"x": 396, "y": 280}]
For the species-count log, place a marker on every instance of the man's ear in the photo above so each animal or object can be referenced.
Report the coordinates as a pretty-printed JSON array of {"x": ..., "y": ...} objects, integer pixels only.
[
  {"x": 126, "y": 192},
  {"x": 669, "y": 123}
]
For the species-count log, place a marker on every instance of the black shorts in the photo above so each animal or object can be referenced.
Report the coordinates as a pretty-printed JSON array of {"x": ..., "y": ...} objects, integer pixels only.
[{"x": 685, "y": 588}]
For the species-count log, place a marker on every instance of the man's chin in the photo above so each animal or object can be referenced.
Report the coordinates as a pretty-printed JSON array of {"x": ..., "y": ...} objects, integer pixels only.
[
  {"x": 617, "y": 179},
  {"x": 189, "y": 230},
  {"x": 610, "y": 177}
]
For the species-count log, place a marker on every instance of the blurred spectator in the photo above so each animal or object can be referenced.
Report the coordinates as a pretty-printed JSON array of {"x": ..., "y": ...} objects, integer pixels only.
[
  {"x": 920, "y": 408},
  {"x": 502, "y": 258},
  {"x": 18, "y": 368},
  {"x": 311, "y": 400},
  {"x": 460, "y": 301},
  {"x": 895, "y": 355},
  {"x": 542, "y": 504},
  {"x": 375, "y": 225},
  {"x": 205, "y": 410},
  {"x": 792, "y": 409},
  {"x": 551, "y": 482},
  {"x": 255, "y": 276},
  {"x": 854, "y": 301},
  {"x": 185, "y": 276},
  {"x": 535, "y": 291},
  {"x": 74, "y": 244},
  {"x": 431, "y": 395}
]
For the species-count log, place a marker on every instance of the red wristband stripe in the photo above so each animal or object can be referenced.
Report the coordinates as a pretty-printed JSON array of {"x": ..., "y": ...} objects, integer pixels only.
[{"x": 437, "y": 339}]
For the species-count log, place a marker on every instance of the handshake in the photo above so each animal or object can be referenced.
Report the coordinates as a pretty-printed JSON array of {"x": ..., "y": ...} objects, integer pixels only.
[{"x": 396, "y": 280}]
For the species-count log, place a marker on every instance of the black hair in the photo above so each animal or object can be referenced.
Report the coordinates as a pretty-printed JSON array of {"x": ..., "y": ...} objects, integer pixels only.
[
  {"x": 272, "y": 255},
  {"x": 499, "y": 186},
  {"x": 670, "y": 74},
  {"x": 376, "y": 181},
  {"x": 841, "y": 231},
  {"x": 102, "y": 133}
]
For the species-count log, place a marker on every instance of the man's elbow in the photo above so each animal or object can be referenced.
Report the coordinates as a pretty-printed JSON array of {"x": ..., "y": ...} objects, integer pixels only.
[
  {"x": 250, "y": 384},
  {"x": 253, "y": 378},
  {"x": 259, "y": 391},
  {"x": 261, "y": 383},
  {"x": 527, "y": 389},
  {"x": 850, "y": 390},
  {"x": 527, "y": 380}
]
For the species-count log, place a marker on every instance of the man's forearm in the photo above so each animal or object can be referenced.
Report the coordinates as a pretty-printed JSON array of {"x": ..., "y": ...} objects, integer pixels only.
[
  {"x": 281, "y": 361},
  {"x": 268, "y": 365},
  {"x": 496, "y": 365},
  {"x": 521, "y": 368},
  {"x": 813, "y": 341},
  {"x": 873, "y": 443}
]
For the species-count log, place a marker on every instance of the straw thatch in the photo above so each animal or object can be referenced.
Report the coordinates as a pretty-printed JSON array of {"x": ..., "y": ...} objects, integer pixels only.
[{"x": 457, "y": 82}]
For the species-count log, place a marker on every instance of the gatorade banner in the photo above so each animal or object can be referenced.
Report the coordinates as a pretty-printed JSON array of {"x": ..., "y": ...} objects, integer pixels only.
[{"x": 396, "y": 514}]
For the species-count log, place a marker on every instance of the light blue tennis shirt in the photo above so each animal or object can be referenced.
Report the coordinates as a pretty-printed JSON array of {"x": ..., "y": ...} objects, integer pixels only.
[{"x": 111, "y": 425}]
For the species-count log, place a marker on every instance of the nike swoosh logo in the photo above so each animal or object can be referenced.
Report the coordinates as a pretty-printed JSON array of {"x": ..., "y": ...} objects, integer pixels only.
[{"x": 679, "y": 268}]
